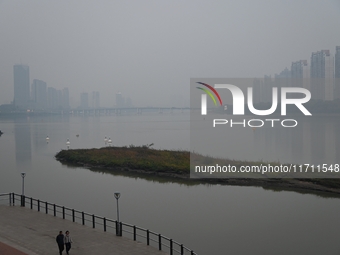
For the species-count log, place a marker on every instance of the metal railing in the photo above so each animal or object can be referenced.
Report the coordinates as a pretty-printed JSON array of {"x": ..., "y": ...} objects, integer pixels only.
[{"x": 107, "y": 225}]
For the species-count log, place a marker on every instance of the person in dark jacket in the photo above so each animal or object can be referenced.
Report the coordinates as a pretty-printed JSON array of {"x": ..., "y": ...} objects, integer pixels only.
[{"x": 60, "y": 242}]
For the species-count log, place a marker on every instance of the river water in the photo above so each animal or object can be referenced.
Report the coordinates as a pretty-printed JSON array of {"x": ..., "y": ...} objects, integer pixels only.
[{"x": 210, "y": 219}]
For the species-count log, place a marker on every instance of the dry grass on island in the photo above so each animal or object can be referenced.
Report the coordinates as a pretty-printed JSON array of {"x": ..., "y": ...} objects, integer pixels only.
[
  {"x": 132, "y": 157},
  {"x": 171, "y": 163}
]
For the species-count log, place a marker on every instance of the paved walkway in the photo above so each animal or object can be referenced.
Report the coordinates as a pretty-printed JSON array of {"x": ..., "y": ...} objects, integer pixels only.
[
  {"x": 8, "y": 250},
  {"x": 33, "y": 233}
]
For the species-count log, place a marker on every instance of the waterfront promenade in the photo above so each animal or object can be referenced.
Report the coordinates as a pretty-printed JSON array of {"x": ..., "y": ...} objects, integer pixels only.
[{"x": 33, "y": 233}]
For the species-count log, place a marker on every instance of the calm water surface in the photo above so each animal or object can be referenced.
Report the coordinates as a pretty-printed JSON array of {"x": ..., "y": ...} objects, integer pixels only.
[{"x": 210, "y": 219}]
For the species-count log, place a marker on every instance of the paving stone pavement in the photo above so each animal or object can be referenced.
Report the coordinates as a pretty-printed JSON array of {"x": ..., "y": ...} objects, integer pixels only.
[{"x": 34, "y": 233}]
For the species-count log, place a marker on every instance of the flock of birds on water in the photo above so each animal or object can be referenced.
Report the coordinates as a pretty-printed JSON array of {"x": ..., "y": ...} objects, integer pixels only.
[{"x": 107, "y": 141}]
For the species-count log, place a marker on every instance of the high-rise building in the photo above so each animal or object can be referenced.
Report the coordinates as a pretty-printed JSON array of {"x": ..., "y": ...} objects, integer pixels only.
[
  {"x": 128, "y": 102},
  {"x": 322, "y": 75},
  {"x": 39, "y": 94},
  {"x": 119, "y": 100},
  {"x": 337, "y": 73},
  {"x": 95, "y": 99},
  {"x": 283, "y": 79},
  {"x": 21, "y": 86},
  {"x": 300, "y": 74}
]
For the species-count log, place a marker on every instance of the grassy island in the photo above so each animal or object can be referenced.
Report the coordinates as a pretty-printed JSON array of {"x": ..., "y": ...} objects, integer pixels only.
[
  {"x": 176, "y": 164},
  {"x": 132, "y": 158}
]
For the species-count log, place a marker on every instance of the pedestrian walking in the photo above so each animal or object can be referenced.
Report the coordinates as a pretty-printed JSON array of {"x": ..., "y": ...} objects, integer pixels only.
[
  {"x": 67, "y": 241},
  {"x": 60, "y": 242}
]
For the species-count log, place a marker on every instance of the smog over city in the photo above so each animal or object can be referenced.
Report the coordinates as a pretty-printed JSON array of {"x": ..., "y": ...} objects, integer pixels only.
[{"x": 148, "y": 50}]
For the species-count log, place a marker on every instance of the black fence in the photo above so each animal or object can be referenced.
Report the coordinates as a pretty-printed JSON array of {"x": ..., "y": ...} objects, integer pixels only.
[{"x": 119, "y": 228}]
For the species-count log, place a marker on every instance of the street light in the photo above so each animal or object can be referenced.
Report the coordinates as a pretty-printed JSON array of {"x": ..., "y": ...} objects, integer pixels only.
[
  {"x": 23, "y": 189},
  {"x": 23, "y": 183},
  {"x": 118, "y": 225}
]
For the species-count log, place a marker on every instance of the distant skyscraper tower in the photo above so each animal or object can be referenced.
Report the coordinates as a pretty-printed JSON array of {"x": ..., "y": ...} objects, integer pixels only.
[
  {"x": 39, "y": 94},
  {"x": 119, "y": 100},
  {"x": 283, "y": 79},
  {"x": 95, "y": 99},
  {"x": 300, "y": 74},
  {"x": 337, "y": 73},
  {"x": 322, "y": 75},
  {"x": 21, "y": 86}
]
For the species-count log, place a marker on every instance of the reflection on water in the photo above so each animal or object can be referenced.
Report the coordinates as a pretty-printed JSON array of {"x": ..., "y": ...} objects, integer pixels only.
[
  {"x": 22, "y": 135},
  {"x": 313, "y": 141}
]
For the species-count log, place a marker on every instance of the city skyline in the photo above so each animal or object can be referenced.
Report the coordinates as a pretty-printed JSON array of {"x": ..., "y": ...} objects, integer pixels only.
[
  {"x": 320, "y": 77},
  {"x": 138, "y": 48}
]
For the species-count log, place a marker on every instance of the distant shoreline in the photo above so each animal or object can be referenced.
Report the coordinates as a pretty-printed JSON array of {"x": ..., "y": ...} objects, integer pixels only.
[{"x": 175, "y": 165}]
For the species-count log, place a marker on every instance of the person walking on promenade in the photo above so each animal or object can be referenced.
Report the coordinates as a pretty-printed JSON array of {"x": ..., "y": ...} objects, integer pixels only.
[
  {"x": 67, "y": 241},
  {"x": 60, "y": 242}
]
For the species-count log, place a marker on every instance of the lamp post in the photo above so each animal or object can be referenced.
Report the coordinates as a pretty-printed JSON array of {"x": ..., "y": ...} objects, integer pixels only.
[
  {"x": 118, "y": 225},
  {"x": 23, "y": 189}
]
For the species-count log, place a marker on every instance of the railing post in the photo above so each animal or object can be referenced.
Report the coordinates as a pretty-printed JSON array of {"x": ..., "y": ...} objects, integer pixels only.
[
  {"x": 104, "y": 223},
  {"x": 73, "y": 216},
  {"x": 147, "y": 237},
  {"x": 13, "y": 199},
  {"x": 182, "y": 249},
  {"x": 171, "y": 247},
  {"x": 134, "y": 233},
  {"x": 23, "y": 200},
  {"x": 38, "y": 205},
  {"x": 120, "y": 228},
  {"x": 83, "y": 218},
  {"x": 64, "y": 212},
  {"x": 31, "y": 203},
  {"x": 93, "y": 221},
  {"x": 10, "y": 199},
  {"x": 192, "y": 252},
  {"x": 54, "y": 210},
  {"x": 160, "y": 242}
]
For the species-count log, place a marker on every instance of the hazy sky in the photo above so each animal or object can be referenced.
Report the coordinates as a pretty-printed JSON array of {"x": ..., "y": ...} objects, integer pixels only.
[{"x": 149, "y": 50}]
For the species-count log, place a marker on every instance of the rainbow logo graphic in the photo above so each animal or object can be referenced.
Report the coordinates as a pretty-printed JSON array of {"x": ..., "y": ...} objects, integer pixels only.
[{"x": 204, "y": 97}]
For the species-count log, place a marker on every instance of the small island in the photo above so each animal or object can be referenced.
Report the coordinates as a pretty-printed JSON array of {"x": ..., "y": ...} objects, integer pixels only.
[
  {"x": 132, "y": 158},
  {"x": 176, "y": 164}
]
